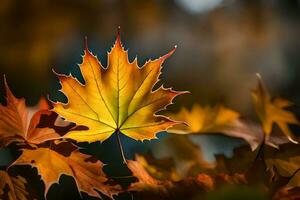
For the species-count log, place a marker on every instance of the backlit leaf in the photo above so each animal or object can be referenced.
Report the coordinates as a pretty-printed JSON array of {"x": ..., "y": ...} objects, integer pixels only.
[
  {"x": 118, "y": 97},
  {"x": 14, "y": 123},
  {"x": 215, "y": 120},
  {"x": 272, "y": 111},
  {"x": 205, "y": 119},
  {"x": 51, "y": 165}
]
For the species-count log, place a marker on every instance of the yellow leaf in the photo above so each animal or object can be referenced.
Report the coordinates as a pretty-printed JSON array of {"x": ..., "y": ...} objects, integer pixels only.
[
  {"x": 204, "y": 119},
  {"x": 12, "y": 188},
  {"x": 220, "y": 119},
  {"x": 271, "y": 110},
  {"x": 118, "y": 97},
  {"x": 51, "y": 165}
]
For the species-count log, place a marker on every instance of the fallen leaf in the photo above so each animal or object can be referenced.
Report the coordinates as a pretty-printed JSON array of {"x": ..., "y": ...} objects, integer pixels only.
[
  {"x": 148, "y": 187},
  {"x": 205, "y": 181},
  {"x": 221, "y": 120},
  {"x": 150, "y": 168},
  {"x": 271, "y": 111},
  {"x": 216, "y": 120},
  {"x": 205, "y": 119},
  {"x": 118, "y": 97},
  {"x": 239, "y": 162},
  {"x": 234, "y": 179},
  {"x": 145, "y": 181},
  {"x": 286, "y": 161},
  {"x": 14, "y": 123},
  {"x": 12, "y": 188},
  {"x": 287, "y": 194},
  {"x": 51, "y": 165},
  {"x": 159, "y": 169}
]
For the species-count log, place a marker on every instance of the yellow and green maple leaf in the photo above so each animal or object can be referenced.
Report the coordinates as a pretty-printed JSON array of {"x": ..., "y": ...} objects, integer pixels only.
[{"x": 118, "y": 97}]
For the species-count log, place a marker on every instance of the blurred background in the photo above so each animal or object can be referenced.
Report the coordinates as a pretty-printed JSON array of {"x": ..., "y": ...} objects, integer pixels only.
[{"x": 221, "y": 45}]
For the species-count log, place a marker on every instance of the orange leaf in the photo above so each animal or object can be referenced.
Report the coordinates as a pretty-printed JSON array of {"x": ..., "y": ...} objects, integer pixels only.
[
  {"x": 145, "y": 181},
  {"x": 51, "y": 165},
  {"x": 118, "y": 97},
  {"x": 14, "y": 124},
  {"x": 12, "y": 188}
]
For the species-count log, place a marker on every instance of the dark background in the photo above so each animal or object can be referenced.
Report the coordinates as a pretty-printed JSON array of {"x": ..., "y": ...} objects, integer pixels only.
[{"x": 221, "y": 45}]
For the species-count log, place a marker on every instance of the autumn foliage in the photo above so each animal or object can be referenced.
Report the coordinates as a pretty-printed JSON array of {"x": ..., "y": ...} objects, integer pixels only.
[{"x": 125, "y": 98}]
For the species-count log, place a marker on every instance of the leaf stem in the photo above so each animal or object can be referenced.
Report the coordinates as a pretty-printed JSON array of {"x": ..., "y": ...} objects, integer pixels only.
[{"x": 121, "y": 147}]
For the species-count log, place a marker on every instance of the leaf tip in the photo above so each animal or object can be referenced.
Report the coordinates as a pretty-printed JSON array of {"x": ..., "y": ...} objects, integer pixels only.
[
  {"x": 5, "y": 82},
  {"x": 259, "y": 78},
  {"x": 118, "y": 39},
  {"x": 4, "y": 78},
  {"x": 184, "y": 92},
  {"x": 9, "y": 94},
  {"x": 258, "y": 75},
  {"x": 85, "y": 44},
  {"x": 164, "y": 57},
  {"x": 54, "y": 72}
]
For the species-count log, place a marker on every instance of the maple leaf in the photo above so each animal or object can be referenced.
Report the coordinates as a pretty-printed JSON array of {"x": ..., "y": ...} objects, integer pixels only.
[
  {"x": 14, "y": 124},
  {"x": 216, "y": 119},
  {"x": 12, "y": 188},
  {"x": 50, "y": 164},
  {"x": 205, "y": 119},
  {"x": 115, "y": 98},
  {"x": 220, "y": 119},
  {"x": 271, "y": 110}
]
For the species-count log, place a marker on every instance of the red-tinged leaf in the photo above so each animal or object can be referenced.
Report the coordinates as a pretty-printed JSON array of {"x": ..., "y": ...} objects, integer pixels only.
[{"x": 14, "y": 123}]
